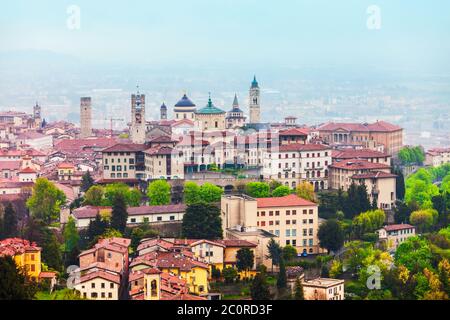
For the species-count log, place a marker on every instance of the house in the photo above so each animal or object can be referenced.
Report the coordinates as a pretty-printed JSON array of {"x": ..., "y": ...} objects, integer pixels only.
[
  {"x": 395, "y": 234},
  {"x": 437, "y": 157},
  {"x": 26, "y": 255},
  {"x": 293, "y": 220},
  {"x": 99, "y": 285},
  {"x": 323, "y": 289}
]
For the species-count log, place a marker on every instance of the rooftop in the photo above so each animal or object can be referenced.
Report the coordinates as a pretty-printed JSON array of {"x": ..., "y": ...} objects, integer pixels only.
[{"x": 287, "y": 201}]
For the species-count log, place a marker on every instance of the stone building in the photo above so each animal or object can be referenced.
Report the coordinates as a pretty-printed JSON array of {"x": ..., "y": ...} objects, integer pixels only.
[{"x": 85, "y": 117}]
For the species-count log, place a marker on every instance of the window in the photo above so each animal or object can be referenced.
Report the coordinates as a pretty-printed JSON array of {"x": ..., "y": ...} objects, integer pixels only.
[
  {"x": 263, "y": 223},
  {"x": 103, "y": 285},
  {"x": 277, "y": 213},
  {"x": 111, "y": 285},
  {"x": 93, "y": 285},
  {"x": 103, "y": 295},
  {"x": 133, "y": 220},
  {"x": 94, "y": 295},
  {"x": 305, "y": 211},
  {"x": 311, "y": 211},
  {"x": 288, "y": 212},
  {"x": 159, "y": 218},
  {"x": 294, "y": 212},
  {"x": 110, "y": 295},
  {"x": 294, "y": 232},
  {"x": 311, "y": 220},
  {"x": 270, "y": 213},
  {"x": 294, "y": 243},
  {"x": 172, "y": 218},
  {"x": 288, "y": 221},
  {"x": 294, "y": 221}
]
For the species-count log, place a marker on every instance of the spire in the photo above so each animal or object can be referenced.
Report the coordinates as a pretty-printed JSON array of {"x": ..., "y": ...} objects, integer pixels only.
[
  {"x": 254, "y": 82},
  {"x": 235, "y": 101},
  {"x": 209, "y": 100}
]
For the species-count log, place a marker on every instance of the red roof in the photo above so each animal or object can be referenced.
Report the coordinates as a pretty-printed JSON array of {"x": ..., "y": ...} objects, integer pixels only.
[
  {"x": 358, "y": 164},
  {"x": 65, "y": 165},
  {"x": 379, "y": 126},
  {"x": 303, "y": 147},
  {"x": 100, "y": 274},
  {"x": 126, "y": 147},
  {"x": 47, "y": 274},
  {"x": 395, "y": 227},
  {"x": 27, "y": 170},
  {"x": 294, "y": 132},
  {"x": 287, "y": 201},
  {"x": 159, "y": 151},
  {"x": 353, "y": 154},
  {"x": 237, "y": 243},
  {"x": 10, "y": 165}
]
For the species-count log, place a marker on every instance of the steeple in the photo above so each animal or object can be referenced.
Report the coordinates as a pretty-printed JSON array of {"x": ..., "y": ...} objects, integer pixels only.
[
  {"x": 235, "y": 102},
  {"x": 255, "y": 83}
]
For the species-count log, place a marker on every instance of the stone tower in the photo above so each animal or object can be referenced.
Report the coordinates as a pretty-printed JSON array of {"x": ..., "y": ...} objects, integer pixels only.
[
  {"x": 138, "y": 125},
  {"x": 254, "y": 102},
  {"x": 85, "y": 117},
  {"x": 163, "y": 111},
  {"x": 37, "y": 115}
]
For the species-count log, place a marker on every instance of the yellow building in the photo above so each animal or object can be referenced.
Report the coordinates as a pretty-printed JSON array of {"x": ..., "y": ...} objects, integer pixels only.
[{"x": 27, "y": 255}]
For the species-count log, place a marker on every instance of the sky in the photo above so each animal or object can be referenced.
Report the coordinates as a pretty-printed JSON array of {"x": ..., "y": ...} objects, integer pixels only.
[{"x": 414, "y": 34}]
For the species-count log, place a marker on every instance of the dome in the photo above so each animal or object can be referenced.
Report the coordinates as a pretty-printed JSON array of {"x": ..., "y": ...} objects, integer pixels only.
[
  {"x": 185, "y": 102},
  {"x": 210, "y": 109}
]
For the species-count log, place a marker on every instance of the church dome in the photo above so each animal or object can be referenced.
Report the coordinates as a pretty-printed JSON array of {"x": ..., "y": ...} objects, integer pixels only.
[{"x": 185, "y": 102}]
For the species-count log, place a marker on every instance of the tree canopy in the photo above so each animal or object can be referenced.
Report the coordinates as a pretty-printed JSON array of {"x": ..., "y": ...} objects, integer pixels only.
[
  {"x": 202, "y": 221},
  {"x": 257, "y": 189},
  {"x": 159, "y": 192},
  {"x": 46, "y": 200}
]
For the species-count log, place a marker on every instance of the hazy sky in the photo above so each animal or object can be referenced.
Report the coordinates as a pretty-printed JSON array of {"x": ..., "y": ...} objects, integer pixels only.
[{"x": 414, "y": 34}]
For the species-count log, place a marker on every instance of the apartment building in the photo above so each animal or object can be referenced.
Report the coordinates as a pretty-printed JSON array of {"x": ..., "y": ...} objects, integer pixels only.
[
  {"x": 292, "y": 220},
  {"x": 364, "y": 135},
  {"x": 296, "y": 162},
  {"x": 380, "y": 182},
  {"x": 437, "y": 157},
  {"x": 163, "y": 162},
  {"x": 124, "y": 161},
  {"x": 323, "y": 289}
]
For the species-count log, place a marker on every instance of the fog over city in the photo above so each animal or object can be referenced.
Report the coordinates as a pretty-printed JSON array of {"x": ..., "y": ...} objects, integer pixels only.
[{"x": 319, "y": 61}]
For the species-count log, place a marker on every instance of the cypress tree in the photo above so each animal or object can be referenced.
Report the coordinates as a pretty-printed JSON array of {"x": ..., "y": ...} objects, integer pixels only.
[
  {"x": 119, "y": 214},
  {"x": 10, "y": 222}
]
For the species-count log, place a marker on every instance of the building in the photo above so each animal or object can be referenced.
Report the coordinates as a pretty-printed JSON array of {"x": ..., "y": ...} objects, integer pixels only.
[
  {"x": 185, "y": 109},
  {"x": 293, "y": 220},
  {"x": 138, "y": 123},
  {"x": 235, "y": 117},
  {"x": 363, "y": 154},
  {"x": 99, "y": 285},
  {"x": 85, "y": 117},
  {"x": 37, "y": 117},
  {"x": 395, "y": 234},
  {"x": 65, "y": 171},
  {"x": 26, "y": 255},
  {"x": 210, "y": 118},
  {"x": 379, "y": 181},
  {"x": 163, "y": 112},
  {"x": 34, "y": 140},
  {"x": 437, "y": 157},
  {"x": 323, "y": 289},
  {"x": 124, "y": 161},
  {"x": 293, "y": 135},
  {"x": 254, "y": 102},
  {"x": 165, "y": 214},
  {"x": 365, "y": 135},
  {"x": 163, "y": 162},
  {"x": 296, "y": 162}
]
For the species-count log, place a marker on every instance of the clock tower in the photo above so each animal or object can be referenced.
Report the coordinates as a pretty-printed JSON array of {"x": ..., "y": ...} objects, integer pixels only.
[
  {"x": 138, "y": 125},
  {"x": 254, "y": 102}
]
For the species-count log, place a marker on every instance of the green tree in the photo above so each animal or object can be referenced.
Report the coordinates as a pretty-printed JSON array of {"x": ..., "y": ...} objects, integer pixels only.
[
  {"x": 159, "y": 193},
  {"x": 259, "y": 289},
  {"x": 275, "y": 252},
  {"x": 119, "y": 215},
  {"x": 210, "y": 193},
  {"x": 273, "y": 184},
  {"x": 14, "y": 285},
  {"x": 10, "y": 222},
  {"x": 368, "y": 222},
  {"x": 282, "y": 278},
  {"x": 132, "y": 196},
  {"x": 289, "y": 253},
  {"x": 229, "y": 274},
  {"x": 399, "y": 184},
  {"x": 46, "y": 200},
  {"x": 71, "y": 239},
  {"x": 257, "y": 189},
  {"x": 96, "y": 228},
  {"x": 415, "y": 254},
  {"x": 305, "y": 190},
  {"x": 424, "y": 219},
  {"x": 111, "y": 233},
  {"x": 298, "y": 290},
  {"x": 401, "y": 212},
  {"x": 94, "y": 196},
  {"x": 191, "y": 193},
  {"x": 331, "y": 235},
  {"x": 281, "y": 191},
  {"x": 142, "y": 232},
  {"x": 202, "y": 221},
  {"x": 245, "y": 259},
  {"x": 86, "y": 182}
]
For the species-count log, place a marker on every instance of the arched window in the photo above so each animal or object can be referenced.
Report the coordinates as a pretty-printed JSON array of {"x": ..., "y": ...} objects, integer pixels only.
[{"x": 293, "y": 174}]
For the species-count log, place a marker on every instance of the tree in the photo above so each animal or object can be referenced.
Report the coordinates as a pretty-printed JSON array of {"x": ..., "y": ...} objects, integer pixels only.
[
  {"x": 282, "y": 278},
  {"x": 142, "y": 232},
  {"x": 14, "y": 285},
  {"x": 363, "y": 197},
  {"x": 132, "y": 196},
  {"x": 289, "y": 253},
  {"x": 191, "y": 193},
  {"x": 244, "y": 259},
  {"x": 229, "y": 274},
  {"x": 96, "y": 228},
  {"x": 305, "y": 190},
  {"x": 331, "y": 235},
  {"x": 368, "y": 221},
  {"x": 298, "y": 290},
  {"x": 281, "y": 191},
  {"x": 86, "y": 181},
  {"x": 275, "y": 252},
  {"x": 10, "y": 222},
  {"x": 257, "y": 189},
  {"x": 415, "y": 254},
  {"x": 94, "y": 196},
  {"x": 259, "y": 290},
  {"x": 401, "y": 212},
  {"x": 424, "y": 219},
  {"x": 45, "y": 200},
  {"x": 119, "y": 214},
  {"x": 210, "y": 193},
  {"x": 399, "y": 184},
  {"x": 202, "y": 221},
  {"x": 273, "y": 184},
  {"x": 111, "y": 233},
  {"x": 159, "y": 193},
  {"x": 71, "y": 239}
]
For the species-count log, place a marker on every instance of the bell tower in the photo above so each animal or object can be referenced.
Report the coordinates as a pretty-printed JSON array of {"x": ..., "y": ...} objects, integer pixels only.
[
  {"x": 254, "y": 102},
  {"x": 138, "y": 125},
  {"x": 85, "y": 117}
]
